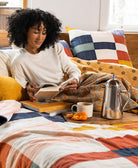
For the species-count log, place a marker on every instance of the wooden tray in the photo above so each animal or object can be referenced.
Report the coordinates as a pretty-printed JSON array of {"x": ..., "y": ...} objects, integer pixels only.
[{"x": 97, "y": 119}]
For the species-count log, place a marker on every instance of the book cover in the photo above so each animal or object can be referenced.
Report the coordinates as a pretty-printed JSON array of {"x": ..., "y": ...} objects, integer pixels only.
[{"x": 46, "y": 107}]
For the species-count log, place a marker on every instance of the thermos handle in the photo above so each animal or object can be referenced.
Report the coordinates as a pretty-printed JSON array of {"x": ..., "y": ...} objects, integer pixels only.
[{"x": 128, "y": 94}]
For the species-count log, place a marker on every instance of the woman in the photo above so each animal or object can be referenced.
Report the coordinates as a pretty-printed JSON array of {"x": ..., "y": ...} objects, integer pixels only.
[{"x": 41, "y": 59}]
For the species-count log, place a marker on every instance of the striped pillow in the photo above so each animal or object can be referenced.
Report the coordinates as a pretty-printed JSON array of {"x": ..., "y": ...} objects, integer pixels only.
[
  {"x": 106, "y": 46},
  {"x": 66, "y": 48}
]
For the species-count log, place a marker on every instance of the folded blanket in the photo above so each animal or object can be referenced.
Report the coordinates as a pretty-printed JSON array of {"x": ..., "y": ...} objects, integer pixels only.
[
  {"x": 91, "y": 89},
  {"x": 7, "y": 109}
]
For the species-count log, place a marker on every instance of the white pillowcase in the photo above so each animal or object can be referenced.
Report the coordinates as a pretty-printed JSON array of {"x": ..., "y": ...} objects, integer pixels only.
[
  {"x": 3, "y": 66},
  {"x": 6, "y": 57}
]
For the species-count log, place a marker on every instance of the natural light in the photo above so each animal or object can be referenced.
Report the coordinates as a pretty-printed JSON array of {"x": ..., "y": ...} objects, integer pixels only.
[
  {"x": 124, "y": 13},
  {"x": 14, "y": 3}
]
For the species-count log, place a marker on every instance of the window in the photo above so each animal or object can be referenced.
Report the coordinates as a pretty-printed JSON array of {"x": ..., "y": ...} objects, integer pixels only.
[
  {"x": 15, "y": 3},
  {"x": 124, "y": 13},
  {"x": 119, "y": 13},
  {"x": 6, "y": 8}
]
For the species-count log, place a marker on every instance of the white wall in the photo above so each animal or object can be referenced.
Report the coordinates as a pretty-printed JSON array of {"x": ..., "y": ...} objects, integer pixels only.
[{"x": 81, "y": 14}]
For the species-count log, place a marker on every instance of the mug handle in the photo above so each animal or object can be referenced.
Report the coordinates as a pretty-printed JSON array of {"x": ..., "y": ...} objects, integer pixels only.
[{"x": 74, "y": 105}]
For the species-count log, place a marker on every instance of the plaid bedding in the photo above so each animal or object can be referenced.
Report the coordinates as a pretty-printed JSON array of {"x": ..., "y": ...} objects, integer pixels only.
[{"x": 36, "y": 140}]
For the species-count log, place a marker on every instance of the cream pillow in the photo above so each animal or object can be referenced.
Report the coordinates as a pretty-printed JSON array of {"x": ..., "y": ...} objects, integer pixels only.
[
  {"x": 3, "y": 67},
  {"x": 6, "y": 57}
]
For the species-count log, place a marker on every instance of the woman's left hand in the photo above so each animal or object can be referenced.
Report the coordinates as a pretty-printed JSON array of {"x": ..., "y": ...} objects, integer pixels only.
[
  {"x": 72, "y": 85},
  {"x": 32, "y": 88}
]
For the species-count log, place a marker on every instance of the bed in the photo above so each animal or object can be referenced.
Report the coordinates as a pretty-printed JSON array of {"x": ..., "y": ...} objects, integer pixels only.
[
  {"x": 29, "y": 139},
  {"x": 32, "y": 139}
]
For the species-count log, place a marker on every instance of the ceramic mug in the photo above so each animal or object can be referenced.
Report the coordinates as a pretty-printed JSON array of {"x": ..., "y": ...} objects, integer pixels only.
[{"x": 86, "y": 107}]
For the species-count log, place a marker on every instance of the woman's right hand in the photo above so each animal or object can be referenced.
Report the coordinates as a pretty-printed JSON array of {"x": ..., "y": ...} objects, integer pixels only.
[{"x": 32, "y": 88}]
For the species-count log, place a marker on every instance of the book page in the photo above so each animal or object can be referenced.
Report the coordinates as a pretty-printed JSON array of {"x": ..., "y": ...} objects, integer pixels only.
[
  {"x": 50, "y": 90},
  {"x": 46, "y": 94},
  {"x": 65, "y": 82},
  {"x": 47, "y": 85}
]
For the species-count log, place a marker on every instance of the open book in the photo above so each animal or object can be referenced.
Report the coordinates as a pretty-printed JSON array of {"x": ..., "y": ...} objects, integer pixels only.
[{"x": 50, "y": 90}]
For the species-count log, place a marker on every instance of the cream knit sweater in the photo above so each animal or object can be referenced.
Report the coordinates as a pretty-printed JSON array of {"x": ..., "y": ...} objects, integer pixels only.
[{"x": 46, "y": 66}]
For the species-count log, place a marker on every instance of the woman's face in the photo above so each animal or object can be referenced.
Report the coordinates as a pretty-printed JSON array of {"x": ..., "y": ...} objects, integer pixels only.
[{"x": 35, "y": 38}]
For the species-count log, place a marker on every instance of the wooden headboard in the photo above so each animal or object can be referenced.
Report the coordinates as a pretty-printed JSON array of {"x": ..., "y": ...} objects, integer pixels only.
[
  {"x": 131, "y": 42},
  {"x": 132, "y": 46}
]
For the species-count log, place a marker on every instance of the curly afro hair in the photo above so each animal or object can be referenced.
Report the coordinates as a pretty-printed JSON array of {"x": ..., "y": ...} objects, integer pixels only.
[{"x": 21, "y": 20}]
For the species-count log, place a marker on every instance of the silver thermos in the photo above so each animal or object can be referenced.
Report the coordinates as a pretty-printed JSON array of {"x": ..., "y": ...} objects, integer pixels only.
[{"x": 112, "y": 102}]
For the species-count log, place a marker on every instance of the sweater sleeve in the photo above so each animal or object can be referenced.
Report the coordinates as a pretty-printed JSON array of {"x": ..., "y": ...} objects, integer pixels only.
[
  {"x": 68, "y": 67},
  {"x": 18, "y": 73}
]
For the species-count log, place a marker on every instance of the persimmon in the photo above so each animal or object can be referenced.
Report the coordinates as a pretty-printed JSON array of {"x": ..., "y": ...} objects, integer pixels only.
[
  {"x": 82, "y": 116},
  {"x": 69, "y": 115}
]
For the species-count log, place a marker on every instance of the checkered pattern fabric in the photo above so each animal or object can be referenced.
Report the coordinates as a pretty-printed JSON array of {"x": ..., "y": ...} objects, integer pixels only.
[
  {"x": 31, "y": 140},
  {"x": 103, "y": 46}
]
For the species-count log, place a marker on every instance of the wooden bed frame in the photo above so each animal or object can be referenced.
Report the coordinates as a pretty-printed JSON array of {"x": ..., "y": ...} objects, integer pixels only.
[{"x": 131, "y": 42}]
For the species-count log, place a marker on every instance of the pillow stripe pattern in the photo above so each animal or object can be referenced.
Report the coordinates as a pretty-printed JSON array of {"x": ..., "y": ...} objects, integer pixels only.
[
  {"x": 66, "y": 48},
  {"x": 103, "y": 46}
]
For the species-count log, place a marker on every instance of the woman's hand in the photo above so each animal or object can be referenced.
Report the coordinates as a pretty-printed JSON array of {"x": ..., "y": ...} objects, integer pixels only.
[
  {"x": 32, "y": 88},
  {"x": 72, "y": 85}
]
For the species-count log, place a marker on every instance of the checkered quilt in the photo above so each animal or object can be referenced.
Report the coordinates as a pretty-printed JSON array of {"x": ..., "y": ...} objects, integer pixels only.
[{"x": 36, "y": 140}]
